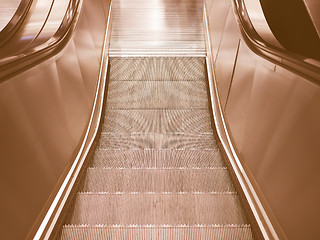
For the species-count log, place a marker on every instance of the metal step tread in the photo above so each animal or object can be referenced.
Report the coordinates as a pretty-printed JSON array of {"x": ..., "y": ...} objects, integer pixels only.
[
  {"x": 157, "y": 232},
  {"x": 156, "y": 141},
  {"x": 155, "y": 158},
  {"x": 157, "y": 53},
  {"x": 157, "y": 94},
  {"x": 157, "y": 180},
  {"x": 157, "y": 208},
  {"x": 157, "y": 121},
  {"x": 157, "y": 68}
]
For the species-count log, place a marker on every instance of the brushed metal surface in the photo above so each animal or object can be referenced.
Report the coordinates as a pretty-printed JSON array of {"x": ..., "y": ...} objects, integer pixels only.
[
  {"x": 313, "y": 7},
  {"x": 158, "y": 209},
  {"x": 273, "y": 117},
  {"x": 157, "y": 27},
  {"x": 44, "y": 113},
  {"x": 182, "y": 232},
  {"x": 260, "y": 23},
  {"x": 226, "y": 57},
  {"x": 7, "y": 10},
  {"x": 156, "y": 162},
  {"x": 152, "y": 158},
  {"x": 36, "y": 18},
  {"x": 157, "y": 180},
  {"x": 53, "y": 22}
]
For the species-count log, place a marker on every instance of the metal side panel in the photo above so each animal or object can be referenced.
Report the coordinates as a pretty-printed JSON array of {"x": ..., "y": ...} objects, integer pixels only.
[
  {"x": 271, "y": 119},
  {"x": 44, "y": 115}
]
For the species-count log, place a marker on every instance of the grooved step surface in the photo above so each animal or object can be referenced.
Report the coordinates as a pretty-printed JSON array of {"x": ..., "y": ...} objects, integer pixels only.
[
  {"x": 152, "y": 158},
  {"x": 232, "y": 232},
  {"x": 157, "y": 94},
  {"x": 157, "y": 180},
  {"x": 156, "y": 172},
  {"x": 157, "y": 209},
  {"x": 157, "y": 121},
  {"x": 157, "y": 27},
  {"x": 157, "y": 141},
  {"x": 153, "y": 69}
]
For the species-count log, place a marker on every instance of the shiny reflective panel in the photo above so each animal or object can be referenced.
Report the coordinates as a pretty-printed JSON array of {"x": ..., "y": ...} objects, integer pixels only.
[
  {"x": 44, "y": 113},
  {"x": 259, "y": 22},
  {"x": 313, "y": 7},
  {"x": 273, "y": 118},
  {"x": 157, "y": 27},
  {"x": 30, "y": 29},
  {"x": 7, "y": 11}
]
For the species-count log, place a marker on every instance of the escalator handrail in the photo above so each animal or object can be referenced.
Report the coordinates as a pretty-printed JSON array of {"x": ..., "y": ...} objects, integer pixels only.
[
  {"x": 280, "y": 56},
  {"x": 15, "y": 22},
  {"x": 34, "y": 55}
]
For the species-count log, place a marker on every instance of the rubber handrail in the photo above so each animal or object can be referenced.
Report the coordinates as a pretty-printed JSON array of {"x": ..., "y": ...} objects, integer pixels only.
[
  {"x": 286, "y": 59},
  {"x": 36, "y": 54}
]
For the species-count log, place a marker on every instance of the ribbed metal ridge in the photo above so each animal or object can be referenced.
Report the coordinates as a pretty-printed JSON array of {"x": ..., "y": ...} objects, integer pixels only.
[
  {"x": 157, "y": 208},
  {"x": 157, "y": 94},
  {"x": 157, "y": 121},
  {"x": 156, "y": 141},
  {"x": 155, "y": 158},
  {"x": 155, "y": 68},
  {"x": 157, "y": 28},
  {"x": 151, "y": 232},
  {"x": 157, "y": 180},
  {"x": 157, "y": 172}
]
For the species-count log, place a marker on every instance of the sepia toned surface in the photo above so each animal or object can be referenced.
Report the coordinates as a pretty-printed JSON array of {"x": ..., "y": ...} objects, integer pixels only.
[
  {"x": 156, "y": 162},
  {"x": 157, "y": 27},
  {"x": 273, "y": 118},
  {"x": 44, "y": 113}
]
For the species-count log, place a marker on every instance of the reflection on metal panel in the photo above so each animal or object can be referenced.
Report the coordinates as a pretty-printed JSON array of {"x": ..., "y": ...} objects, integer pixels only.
[
  {"x": 226, "y": 56},
  {"x": 313, "y": 7},
  {"x": 7, "y": 11},
  {"x": 273, "y": 117},
  {"x": 31, "y": 28},
  {"x": 44, "y": 113},
  {"x": 53, "y": 21},
  {"x": 157, "y": 27}
]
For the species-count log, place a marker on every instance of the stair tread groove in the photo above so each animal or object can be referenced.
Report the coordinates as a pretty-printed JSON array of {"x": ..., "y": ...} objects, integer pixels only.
[
  {"x": 217, "y": 232},
  {"x": 157, "y": 172},
  {"x": 157, "y": 141},
  {"x": 151, "y": 68},
  {"x": 157, "y": 208},
  {"x": 157, "y": 158},
  {"x": 157, "y": 94},
  {"x": 157, "y": 121},
  {"x": 157, "y": 180}
]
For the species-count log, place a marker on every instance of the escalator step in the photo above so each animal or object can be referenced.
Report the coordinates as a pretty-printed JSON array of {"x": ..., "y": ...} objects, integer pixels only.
[
  {"x": 157, "y": 141},
  {"x": 155, "y": 68},
  {"x": 157, "y": 208},
  {"x": 157, "y": 180},
  {"x": 157, "y": 94},
  {"x": 151, "y": 158},
  {"x": 216, "y": 232},
  {"x": 157, "y": 121}
]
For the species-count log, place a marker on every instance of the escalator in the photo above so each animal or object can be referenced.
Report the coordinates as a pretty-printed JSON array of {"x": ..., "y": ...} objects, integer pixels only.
[
  {"x": 157, "y": 172},
  {"x": 157, "y": 119}
]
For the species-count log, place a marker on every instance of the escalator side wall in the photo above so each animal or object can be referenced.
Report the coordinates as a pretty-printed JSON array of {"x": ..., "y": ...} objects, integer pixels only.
[
  {"x": 273, "y": 118},
  {"x": 44, "y": 113}
]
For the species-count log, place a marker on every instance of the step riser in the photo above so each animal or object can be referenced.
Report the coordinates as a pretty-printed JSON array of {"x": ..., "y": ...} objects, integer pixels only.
[
  {"x": 157, "y": 94},
  {"x": 157, "y": 121},
  {"x": 155, "y": 180},
  {"x": 157, "y": 172},
  {"x": 157, "y": 158},
  {"x": 157, "y": 141},
  {"x": 169, "y": 233},
  {"x": 173, "y": 69},
  {"x": 157, "y": 209}
]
